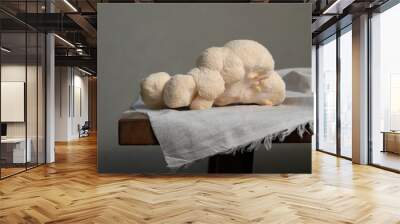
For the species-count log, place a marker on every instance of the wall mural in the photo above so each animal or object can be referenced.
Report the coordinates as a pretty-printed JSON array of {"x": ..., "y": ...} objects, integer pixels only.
[{"x": 204, "y": 88}]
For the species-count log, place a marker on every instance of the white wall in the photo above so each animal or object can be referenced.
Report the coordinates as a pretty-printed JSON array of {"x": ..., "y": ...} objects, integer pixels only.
[
  {"x": 15, "y": 73},
  {"x": 70, "y": 83},
  {"x": 79, "y": 117},
  {"x": 62, "y": 81},
  {"x": 34, "y": 125},
  {"x": 12, "y": 73}
]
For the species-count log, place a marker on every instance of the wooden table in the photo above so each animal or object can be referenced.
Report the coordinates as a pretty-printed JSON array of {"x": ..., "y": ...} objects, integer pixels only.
[
  {"x": 391, "y": 141},
  {"x": 135, "y": 129}
]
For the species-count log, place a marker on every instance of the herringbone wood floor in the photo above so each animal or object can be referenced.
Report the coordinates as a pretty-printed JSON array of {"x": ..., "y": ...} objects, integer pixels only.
[{"x": 71, "y": 191}]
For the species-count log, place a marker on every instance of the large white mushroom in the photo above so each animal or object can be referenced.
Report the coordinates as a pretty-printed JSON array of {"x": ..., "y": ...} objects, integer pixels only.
[{"x": 242, "y": 71}]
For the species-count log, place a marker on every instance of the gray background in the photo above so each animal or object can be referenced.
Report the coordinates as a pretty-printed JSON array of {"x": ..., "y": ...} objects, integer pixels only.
[{"x": 135, "y": 40}]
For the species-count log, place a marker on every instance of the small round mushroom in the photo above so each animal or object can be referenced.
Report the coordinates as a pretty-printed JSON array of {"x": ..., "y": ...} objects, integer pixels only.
[{"x": 151, "y": 89}]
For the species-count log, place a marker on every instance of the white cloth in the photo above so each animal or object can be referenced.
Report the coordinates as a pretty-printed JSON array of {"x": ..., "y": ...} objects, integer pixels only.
[{"x": 189, "y": 135}]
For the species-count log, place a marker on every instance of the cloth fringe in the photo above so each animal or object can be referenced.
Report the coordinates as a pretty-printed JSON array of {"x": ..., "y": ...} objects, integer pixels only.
[{"x": 267, "y": 140}]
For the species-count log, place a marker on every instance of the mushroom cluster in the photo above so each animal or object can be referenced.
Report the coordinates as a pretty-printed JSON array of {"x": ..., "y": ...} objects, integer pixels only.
[{"x": 240, "y": 72}]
